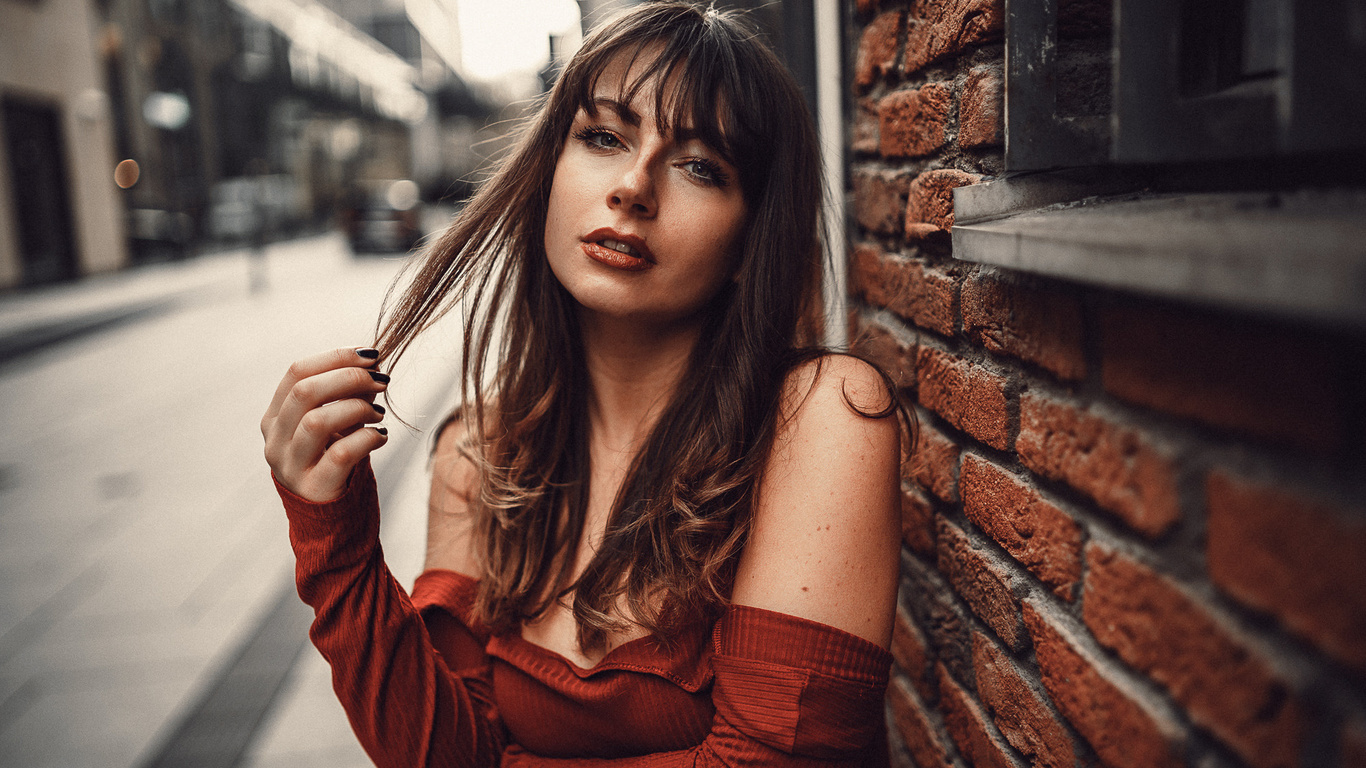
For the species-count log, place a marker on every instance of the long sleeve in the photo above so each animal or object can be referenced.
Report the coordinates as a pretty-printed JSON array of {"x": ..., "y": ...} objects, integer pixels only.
[
  {"x": 410, "y": 702},
  {"x": 787, "y": 691}
]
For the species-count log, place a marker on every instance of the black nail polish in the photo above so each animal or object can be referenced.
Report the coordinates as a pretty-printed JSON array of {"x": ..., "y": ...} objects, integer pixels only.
[
  {"x": 382, "y": 378},
  {"x": 378, "y": 408},
  {"x": 381, "y": 430},
  {"x": 368, "y": 353}
]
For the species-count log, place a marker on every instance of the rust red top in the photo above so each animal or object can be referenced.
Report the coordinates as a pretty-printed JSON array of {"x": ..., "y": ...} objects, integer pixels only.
[{"x": 424, "y": 684}]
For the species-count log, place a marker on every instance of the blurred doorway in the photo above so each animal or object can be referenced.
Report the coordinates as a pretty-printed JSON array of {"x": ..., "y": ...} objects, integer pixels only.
[{"x": 37, "y": 161}]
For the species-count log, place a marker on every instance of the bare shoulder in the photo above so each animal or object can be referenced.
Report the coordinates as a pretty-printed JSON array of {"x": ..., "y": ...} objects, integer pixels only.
[
  {"x": 825, "y": 538},
  {"x": 455, "y": 484},
  {"x": 454, "y": 475},
  {"x": 835, "y": 387}
]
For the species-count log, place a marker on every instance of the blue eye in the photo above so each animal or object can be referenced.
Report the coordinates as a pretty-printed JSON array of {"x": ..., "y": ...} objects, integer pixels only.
[
  {"x": 597, "y": 136},
  {"x": 706, "y": 171},
  {"x": 698, "y": 168}
]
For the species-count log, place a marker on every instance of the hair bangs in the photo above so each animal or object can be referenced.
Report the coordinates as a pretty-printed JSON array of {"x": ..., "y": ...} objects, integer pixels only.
[{"x": 694, "y": 68}]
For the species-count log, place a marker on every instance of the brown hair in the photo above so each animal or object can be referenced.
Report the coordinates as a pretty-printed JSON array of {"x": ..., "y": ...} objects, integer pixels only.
[{"x": 682, "y": 514}]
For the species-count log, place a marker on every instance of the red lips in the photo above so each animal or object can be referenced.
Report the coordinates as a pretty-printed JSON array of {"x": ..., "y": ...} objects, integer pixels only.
[{"x": 615, "y": 249}]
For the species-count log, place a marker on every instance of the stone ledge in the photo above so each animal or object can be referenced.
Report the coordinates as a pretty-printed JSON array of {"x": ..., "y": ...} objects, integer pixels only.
[{"x": 1301, "y": 254}]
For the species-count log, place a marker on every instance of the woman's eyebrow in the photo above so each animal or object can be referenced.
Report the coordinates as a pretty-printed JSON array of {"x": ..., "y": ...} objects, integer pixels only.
[
  {"x": 629, "y": 116},
  {"x": 623, "y": 110}
]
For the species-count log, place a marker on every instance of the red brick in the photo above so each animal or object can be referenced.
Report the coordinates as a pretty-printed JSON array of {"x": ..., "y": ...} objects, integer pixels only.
[
  {"x": 967, "y": 395},
  {"x": 917, "y": 731},
  {"x": 1038, "y": 325},
  {"x": 864, "y": 138},
  {"x": 929, "y": 201},
  {"x": 983, "y": 585},
  {"x": 934, "y": 465},
  {"x": 879, "y": 201},
  {"x": 981, "y": 108},
  {"x": 1124, "y": 732},
  {"x": 1264, "y": 382},
  {"x": 1353, "y": 743},
  {"x": 917, "y": 523},
  {"x": 1117, "y": 465},
  {"x": 913, "y": 123},
  {"x": 930, "y": 299},
  {"x": 912, "y": 653},
  {"x": 866, "y": 6},
  {"x": 1291, "y": 556},
  {"x": 877, "y": 49},
  {"x": 880, "y": 345},
  {"x": 922, "y": 295},
  {"x": 967, "y": 724},
  {"x": 1038, "y": 534},
  {"x": 942, "y": 28},
  {"x": 938, "y": 614},
  {"x": 1023, "y": 717},
  {"x": 1162, "y": 632},
  {"x": 927, "y": 297},
  {"x": 869, "y": 280}
]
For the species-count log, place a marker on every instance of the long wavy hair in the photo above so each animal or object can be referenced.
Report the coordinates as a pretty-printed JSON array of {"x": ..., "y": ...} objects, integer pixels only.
[{"x": 683, "y": 512}]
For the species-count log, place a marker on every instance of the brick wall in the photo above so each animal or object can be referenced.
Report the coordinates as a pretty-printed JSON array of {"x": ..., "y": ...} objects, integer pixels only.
[{"x": 1133, "y": 528}]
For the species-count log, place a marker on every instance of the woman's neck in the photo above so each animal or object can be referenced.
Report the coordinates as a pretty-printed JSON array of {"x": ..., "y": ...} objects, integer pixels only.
[{"x": 634, "y": 371}]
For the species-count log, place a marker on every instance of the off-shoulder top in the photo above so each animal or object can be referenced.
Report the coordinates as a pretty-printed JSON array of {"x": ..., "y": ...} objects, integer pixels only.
[{"x": 423, "y": 683}]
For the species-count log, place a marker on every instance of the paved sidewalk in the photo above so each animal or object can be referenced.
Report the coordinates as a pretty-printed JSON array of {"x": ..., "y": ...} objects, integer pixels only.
[
  {"x": 34, "y": 319},
  {"x": 143, "y": 553}
]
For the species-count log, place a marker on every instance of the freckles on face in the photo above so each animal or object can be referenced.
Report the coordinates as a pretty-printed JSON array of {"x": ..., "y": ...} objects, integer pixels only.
[{"x": 641, "y": 225}]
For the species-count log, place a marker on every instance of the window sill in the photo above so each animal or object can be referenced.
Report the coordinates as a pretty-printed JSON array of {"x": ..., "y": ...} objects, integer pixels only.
[{"x": 1301, "y": 254}]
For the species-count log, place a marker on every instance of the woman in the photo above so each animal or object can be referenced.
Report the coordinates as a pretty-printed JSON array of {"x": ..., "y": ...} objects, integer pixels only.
[{"x": 663, "y": 534}]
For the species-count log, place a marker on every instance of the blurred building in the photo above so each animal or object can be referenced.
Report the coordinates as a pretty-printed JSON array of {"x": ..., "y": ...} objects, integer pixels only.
[
  {"x": 229, "y": 120},
  {"x": 230, "y": 116},
  {"x": 60, "y": 212}
]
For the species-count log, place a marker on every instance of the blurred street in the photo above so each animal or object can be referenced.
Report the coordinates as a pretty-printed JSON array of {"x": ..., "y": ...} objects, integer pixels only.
[{"x": 147, "y": 610}]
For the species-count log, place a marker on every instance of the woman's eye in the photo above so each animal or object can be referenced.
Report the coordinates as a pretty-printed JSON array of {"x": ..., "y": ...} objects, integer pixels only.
[
  {"x": 600, "y": 138},
  {"x": 706, "y": 171}
]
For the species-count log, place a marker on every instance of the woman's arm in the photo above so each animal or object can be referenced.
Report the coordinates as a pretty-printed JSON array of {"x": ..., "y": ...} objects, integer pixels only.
[
  {"x": 405, "y": 703},
  {"x": 801, "y": 666},
  {"x": 408, "y": 704},
  {"x": 825, "y": 540}
]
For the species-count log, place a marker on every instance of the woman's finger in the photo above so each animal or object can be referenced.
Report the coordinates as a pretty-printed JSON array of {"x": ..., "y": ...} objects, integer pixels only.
[
  {"x": 328, "y": 478},
  {"x": 320, "y": 389},
  {"x": 359, "y": 357},
  {"x": 321, "y": 426}
]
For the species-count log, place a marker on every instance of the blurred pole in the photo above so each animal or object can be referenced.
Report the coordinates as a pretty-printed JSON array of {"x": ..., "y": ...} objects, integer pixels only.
[
  {"x": 830, "y": 126},
  {"x": 258, "y": 275}
]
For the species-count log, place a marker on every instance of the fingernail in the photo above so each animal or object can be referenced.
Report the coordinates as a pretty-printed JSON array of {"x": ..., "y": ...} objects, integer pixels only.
[
  {"x": 381, "y": 430},
  {"x": 382, "y": 378},
  {"x": 368, "y": 353},
  {"x": 378, "y": 408}
]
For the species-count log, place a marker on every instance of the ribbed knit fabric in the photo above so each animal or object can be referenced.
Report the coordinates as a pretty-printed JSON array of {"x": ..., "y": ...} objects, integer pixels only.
[{"x": 423, "y": 684}]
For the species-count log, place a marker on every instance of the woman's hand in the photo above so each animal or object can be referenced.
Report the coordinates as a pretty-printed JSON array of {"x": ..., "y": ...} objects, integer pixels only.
[{"x": 314, "y": 425}]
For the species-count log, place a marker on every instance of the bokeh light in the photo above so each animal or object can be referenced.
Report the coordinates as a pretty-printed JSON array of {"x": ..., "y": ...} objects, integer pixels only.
[{"x": 126, "y": 173}]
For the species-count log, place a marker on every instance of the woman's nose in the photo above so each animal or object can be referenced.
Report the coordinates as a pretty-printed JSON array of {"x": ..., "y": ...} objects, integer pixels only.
[{"x": 635, "y": 190}]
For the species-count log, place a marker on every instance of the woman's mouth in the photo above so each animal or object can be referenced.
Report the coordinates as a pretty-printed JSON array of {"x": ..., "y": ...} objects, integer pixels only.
[
  {"x": 617, "y": 251},
  {"x": 617, "y": 245},
  {"x": 613, "y": 258}
]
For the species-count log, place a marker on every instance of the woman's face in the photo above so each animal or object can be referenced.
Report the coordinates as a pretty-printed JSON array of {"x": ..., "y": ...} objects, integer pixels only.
[{"x": 641, "y": 226}]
